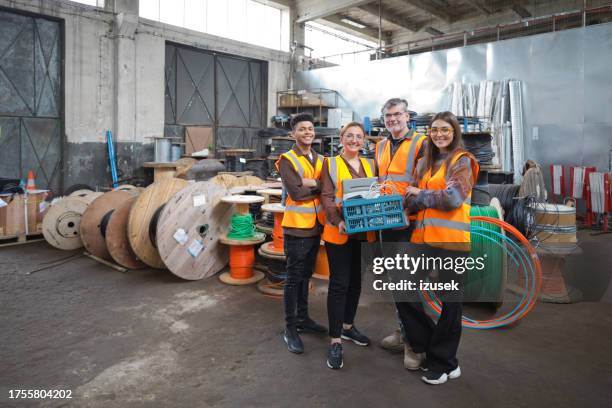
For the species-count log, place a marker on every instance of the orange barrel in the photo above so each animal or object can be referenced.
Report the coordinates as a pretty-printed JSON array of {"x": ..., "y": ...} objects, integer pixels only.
[
  {"x": 277, "y": 233},
  {"x": 321, "y": 266},
  {"x": 242, "y": 259}
]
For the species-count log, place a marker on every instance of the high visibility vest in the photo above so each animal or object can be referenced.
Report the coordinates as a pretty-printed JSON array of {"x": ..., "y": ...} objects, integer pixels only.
[
  {"x": 445, "y": 229},
  {"x": 339, "y": 171},
  {"x": 399, "y": 169},
  {"x": 302, "y": 214}
]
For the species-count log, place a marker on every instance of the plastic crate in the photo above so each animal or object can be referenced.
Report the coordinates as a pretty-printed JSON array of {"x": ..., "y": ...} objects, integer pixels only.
[{"x": 373, "y": 214}]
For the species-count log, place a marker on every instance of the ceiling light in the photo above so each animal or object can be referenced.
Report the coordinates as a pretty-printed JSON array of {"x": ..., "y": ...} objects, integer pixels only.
[
  {"x": 433, "y": 31},
  {"x": 353, "y": 23}
]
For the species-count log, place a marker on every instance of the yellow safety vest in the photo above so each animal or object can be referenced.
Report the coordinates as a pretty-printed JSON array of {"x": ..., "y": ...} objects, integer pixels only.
[
  {"x": 399, "y": 169},
  {"x": 339, "y": 171},
  {"x": 445, "y": 229},
  {"x": 302, "y": 214}
]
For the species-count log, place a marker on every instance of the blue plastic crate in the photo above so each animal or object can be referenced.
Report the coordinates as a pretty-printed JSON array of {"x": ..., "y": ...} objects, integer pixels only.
[{"x": 373, "y": 214}]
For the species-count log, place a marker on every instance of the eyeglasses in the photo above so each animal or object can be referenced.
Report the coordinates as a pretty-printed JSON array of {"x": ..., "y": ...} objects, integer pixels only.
[
  {"x": 395, "y": 115},
  {"x": 444, "y": 131},
  {"x": 351, "y": 136}
]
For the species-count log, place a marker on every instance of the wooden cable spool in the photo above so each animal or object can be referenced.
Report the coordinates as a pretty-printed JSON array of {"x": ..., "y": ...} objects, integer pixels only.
[
  {"x": 183, "y": 165},
  {"x": 61, "y": 225},
  {"x": 242, "y": 254},
  {"x": 276, "y": 247},
  {"x": 80, "y": 193},
  {"x": 128, "y": 187},
  {"x": 95, "y": 221},
  {"x": 117, "y": 242},
  {"x": 226, "y": 180},
  {"x": 189, "y": 229},
  {"x": 142, "y": 213}
]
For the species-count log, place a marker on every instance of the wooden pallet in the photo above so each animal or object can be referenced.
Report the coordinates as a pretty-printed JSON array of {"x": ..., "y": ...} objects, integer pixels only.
[{"x": 11, "y": 240}]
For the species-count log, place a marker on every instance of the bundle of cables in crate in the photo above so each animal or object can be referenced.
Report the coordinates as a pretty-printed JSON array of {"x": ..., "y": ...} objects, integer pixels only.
[{"x": 379, "y": 207}]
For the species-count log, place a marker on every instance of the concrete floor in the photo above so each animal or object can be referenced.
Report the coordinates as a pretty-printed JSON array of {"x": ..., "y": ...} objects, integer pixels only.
[{"x": 145, "y": 338}]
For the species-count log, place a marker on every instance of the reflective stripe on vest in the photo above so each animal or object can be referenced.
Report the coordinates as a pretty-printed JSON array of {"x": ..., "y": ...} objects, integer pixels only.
[
  {"x": 440, "y": 222},
  {"x": 303, "y": 210}
]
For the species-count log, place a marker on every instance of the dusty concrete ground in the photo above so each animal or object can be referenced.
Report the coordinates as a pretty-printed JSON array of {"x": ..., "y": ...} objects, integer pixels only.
[{"x": 145, "y": 338}]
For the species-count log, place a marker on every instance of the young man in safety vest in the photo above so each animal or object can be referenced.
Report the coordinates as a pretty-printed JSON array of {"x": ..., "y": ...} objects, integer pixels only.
[
  {"x": 396, "y": 158},
  {"x": 303, "y": 220}
]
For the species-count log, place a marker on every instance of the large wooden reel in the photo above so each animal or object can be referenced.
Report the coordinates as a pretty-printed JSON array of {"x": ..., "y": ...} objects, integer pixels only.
[
  {"x": 189, "y": 229},
  {"x": 117, "y": 242},
  {"x": 140, "y": 230}
]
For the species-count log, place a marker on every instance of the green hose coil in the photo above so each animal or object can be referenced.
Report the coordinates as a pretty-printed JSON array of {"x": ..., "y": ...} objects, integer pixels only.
[
  {"x": 488, "y": 283},
  {"x": 241, "y": 227}
]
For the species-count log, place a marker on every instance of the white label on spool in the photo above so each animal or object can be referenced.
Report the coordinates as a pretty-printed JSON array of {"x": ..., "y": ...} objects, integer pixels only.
[
  {"x": 195, "y": 248},
  {"x": 199, "y": 200},
  {"x": 242, "y": 160},
  {"x": 2, "y": 203},
  {"x": 180, "y": 236},
  {"x": 42, "y": 206}
]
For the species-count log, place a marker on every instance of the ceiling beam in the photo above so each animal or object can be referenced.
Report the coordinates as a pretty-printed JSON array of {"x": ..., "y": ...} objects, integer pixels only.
[
  {"x": 391, "y": 16},
  {"x": 431, "y": 9},
  {"x": 368, "y": 33},
  {"x": 479, "y": 6},
  {"x": 313, "y": 9}
]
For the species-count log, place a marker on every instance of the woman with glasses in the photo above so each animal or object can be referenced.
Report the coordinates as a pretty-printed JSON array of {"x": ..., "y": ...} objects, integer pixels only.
[
  {"x": 343, "y": 251},
  {"x": 440, "y": 197}
]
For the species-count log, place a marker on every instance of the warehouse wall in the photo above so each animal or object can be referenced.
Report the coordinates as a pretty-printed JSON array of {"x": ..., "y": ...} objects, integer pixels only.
[
  {"x": 114, "y": 79},
  {"x": 567, "y": 92}
]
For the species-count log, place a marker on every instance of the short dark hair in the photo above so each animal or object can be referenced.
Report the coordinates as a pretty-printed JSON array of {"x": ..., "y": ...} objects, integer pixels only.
[
  {"x": 393, "y": 102},
  {"x": 301, "y": 117}
]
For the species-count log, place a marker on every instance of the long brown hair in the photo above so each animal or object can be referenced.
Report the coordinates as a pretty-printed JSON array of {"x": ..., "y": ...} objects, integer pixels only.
[{"x": 432, "y": 151}]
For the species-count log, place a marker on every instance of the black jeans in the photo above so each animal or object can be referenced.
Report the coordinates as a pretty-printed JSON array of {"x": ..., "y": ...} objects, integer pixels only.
[
  {"x": 439, "y": 341},
  {"x": 344, "y": 284},
  {"x": 301, "y": 256}
]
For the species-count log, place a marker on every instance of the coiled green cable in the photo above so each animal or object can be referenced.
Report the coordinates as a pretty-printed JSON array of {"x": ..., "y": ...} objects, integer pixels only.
[
  {"x": 488, "y": 283},
  {"x": 241, "y": 227}
]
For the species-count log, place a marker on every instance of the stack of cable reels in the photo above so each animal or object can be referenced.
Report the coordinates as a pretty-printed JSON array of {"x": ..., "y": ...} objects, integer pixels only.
[
  {"x": 555, "y": 227},
  {"x": 143, "y": 218},
  {"x": 274, "y": 254},
  {"x": 61, "y": 225},
  {"x": 95, "y": 220},
  {"x": 189, "y": 228}
]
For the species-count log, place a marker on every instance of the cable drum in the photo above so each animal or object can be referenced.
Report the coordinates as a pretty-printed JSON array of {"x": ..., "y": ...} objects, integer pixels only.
[{"x": 505, "y": 193}]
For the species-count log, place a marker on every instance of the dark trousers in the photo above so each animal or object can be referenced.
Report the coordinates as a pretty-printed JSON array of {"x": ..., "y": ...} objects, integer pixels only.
[
  {"x": 344, "y": 284},
  {"x": 301, "y": 256},
  {"x": 439, "y": 341}
]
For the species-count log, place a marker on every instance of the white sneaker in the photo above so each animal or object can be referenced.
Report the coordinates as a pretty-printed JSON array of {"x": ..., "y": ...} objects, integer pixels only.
[
  {"x": 412, "y": 360},
  {"x": 437, "y": 379}
]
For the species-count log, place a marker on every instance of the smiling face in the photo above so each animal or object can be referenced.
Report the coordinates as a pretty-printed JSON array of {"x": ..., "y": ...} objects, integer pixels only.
[
  {"x": 303, "y": 133},
  {"x": 396, "y": 119},
  {"x": 441, "y": 134},
  {"x": 352, "y": 139}
]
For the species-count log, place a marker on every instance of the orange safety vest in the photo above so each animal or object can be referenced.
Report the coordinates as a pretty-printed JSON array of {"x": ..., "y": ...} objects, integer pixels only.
[
  {"x": 339, "y": 171},
  {"x": 446, "y": 229},
  {"x": 399, "y": 169},
  {"x": 302, "y": 214}
]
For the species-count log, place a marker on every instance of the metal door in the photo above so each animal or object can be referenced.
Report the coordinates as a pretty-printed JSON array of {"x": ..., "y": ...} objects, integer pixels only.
[
  {"x": 224, "y": 92},
  {"x": 30, "y": 98}
]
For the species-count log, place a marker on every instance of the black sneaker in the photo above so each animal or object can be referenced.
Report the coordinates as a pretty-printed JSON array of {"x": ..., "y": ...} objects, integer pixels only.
[
  {"x": 292, "y": 338},
  {"x": 309, "y": 325},
  {"x": 334, "y": 356},
  {"x": 355, "y": 336},
  {"x": 434, "y": 378}
]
